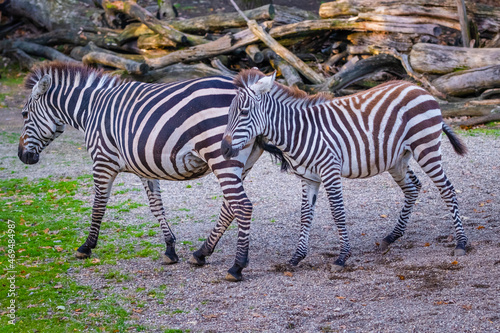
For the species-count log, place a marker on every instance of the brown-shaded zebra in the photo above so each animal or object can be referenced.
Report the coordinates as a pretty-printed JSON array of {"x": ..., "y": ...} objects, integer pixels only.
[
  {"x": 356, "y": 136},
  {"x": 156, "y": 131}
]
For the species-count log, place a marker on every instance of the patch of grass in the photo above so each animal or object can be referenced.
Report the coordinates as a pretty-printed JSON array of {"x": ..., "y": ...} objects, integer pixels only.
[
  {"x": 48, "y": 221},
  {"x": 125, "y": 206},
  {"x": 10, "y": 138},
  {"x": 11, "y": 76},
  {"x": 116, "y": 275},
  {"x": 495, "y": 132}
]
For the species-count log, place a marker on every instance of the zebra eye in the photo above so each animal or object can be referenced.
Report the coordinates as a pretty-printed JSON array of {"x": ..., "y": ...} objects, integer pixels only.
[
  {"x": 244, "y": 111},
  {"x": 24, "y": 114}
]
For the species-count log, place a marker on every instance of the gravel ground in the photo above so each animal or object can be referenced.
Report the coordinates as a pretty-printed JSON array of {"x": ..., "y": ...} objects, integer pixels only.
[{"x": 418, "y": 286}]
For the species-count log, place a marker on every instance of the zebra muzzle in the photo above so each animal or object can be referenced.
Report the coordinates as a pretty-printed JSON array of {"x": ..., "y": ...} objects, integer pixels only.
[
  {"x": 226, "y": 148},
  {"x": 27, "y": 157}
]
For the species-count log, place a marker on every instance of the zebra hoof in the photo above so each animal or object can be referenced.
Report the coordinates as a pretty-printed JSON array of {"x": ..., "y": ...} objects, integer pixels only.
[
  {"x": 232, "y": 278},
  {"x": 82, "y": 255},
  {"x": 337, "y": 268},
  {"x": 170, "y": 261},
  {"x": 384, "y": 246},
  {"x": 197, "y": 261}
]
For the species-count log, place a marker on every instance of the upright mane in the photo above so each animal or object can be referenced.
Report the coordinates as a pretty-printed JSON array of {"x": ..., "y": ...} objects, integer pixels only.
[
  {"x": 248, "y": 77},
  {"x": 74, "y": 73}
]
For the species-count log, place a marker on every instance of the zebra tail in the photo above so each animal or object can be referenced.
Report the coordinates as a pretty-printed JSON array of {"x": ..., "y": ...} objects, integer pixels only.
[
  {"x": 457, "y": 144},
  {"x": 275, "y": 152}
]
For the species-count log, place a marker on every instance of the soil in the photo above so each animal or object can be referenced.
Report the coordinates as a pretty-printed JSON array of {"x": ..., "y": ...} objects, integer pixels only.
[{"x": 418, "y": 286}]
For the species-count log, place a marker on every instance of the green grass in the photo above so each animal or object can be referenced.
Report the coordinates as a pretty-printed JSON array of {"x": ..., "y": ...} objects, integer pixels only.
[
  {"x": 10, "y": 138},
  {"x": 49, "y": 225},
  {"x": 11, "y": 76},
  {"x": 490, "y": 129}
]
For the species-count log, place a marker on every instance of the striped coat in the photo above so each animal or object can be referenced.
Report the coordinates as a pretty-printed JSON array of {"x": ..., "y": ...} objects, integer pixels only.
[{"x": 356, "y": 136}]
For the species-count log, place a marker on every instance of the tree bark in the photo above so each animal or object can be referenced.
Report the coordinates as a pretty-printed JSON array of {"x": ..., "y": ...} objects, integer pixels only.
[
  {"x": 113, "y": 60},
  {"x": 468, "y": 82},
  {"x": 130, "y": 8},
  {"x": 36, "y": 50},
  {"x": 441, "y": 59}
]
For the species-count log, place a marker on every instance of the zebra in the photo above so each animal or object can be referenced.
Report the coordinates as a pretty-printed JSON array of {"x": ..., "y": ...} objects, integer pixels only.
[
  {"x": 155, "y": 131},
  {"x": 357, "y": 136}
]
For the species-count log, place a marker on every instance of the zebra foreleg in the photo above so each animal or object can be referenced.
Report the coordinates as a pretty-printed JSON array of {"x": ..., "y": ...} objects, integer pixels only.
[
  {"x": 333, "y": 187},
  {"x": 226, "y": 216},
  {"x": 410, "y": 185},
  {"x": 152, "y": 187},
  {"x": 243, "y": 213},
  {"x": 309, "y": 195},
  {"x": 102, "y": 184}
]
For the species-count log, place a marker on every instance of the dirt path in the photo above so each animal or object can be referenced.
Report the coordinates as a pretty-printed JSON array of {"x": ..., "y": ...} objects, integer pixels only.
[{"x": 418, "y": 286}]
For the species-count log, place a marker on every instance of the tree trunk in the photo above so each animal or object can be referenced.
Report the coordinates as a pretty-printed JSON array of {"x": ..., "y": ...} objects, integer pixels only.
[
  {"x": 468, "y": 82},
  {"x": 441, "y": 59},
  {"x": 113, "y": 60}
]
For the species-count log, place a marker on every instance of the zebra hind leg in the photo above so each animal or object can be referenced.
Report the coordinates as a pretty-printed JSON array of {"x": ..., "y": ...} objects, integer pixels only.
[
  {"x": 309, "y": 195},
  {"x": 152, "y": 187},
  {"x": 102, "y": 185},
  {"x": 435, "y": 171},
  {"x": 410, "y": 185},
  {"x": 226, "y": 216}
]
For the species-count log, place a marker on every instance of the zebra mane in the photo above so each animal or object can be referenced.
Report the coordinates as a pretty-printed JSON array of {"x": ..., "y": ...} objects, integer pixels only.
[
  {"x": 76, "y": 73},
  {"x": 248, "y": 77}
]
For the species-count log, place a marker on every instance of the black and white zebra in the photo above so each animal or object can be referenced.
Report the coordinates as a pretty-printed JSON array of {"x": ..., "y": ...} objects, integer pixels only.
[
  {"x": 156, "y": 131},
  {"x": 358, "y": 136}
]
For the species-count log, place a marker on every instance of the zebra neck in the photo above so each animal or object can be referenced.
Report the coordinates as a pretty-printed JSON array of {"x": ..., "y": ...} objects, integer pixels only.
[
  {"x": 72, "y": 105},
  {"x": 285, "y": 123}
]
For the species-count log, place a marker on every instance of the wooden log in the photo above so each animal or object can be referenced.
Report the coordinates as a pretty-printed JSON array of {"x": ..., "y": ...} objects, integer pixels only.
[
  {"x": 467, "y": 82},
  {"x": 178, "y": 72},
  {"x": 280, "y": 50},
  {"x": 148, "y": 42},
  {"x": 291, "y": 76},
  {"x": 466, "y": 109},
  {"x": 115, "y": 61},
  {"x": 133, "y": 31},
  {"x": 474, "y": 121},
  {"x": 41, "y": 51},
  {"x": 24, "y": 60},
  {"x": 131, "y": 8},
  {"x": 217, "y": 64},
  {"x": 254, "y": 53},
  {"x": 230, "y": 42},
  {"x": 464, "y": 23},
  {"x": 409, "y": 19},
  {"x": 362, "y": 69},
  {"x": 442, "y": 59},
  {"x": 363, "y": 42},
  {"x": 79, "y": 52}
]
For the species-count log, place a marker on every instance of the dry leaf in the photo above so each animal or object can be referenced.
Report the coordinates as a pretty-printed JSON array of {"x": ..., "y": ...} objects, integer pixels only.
[
  {"x": 427, "y": 244},
  {"x": 383, "y": 216},
  {"x": 480, "y": 227},
  {"x": 401, "y": 277},
  {"x": 46, "y": 231},
  {"x": 95, "y": 261},
  {"x": 289, "y": 274},
  {"x": 58, "y": 248},
  {"x": 58, "y": 286},
  {"x": 340, "y": 297},
  {"x": 137, "y": 310},
  {"x": 454, "y": 262}
]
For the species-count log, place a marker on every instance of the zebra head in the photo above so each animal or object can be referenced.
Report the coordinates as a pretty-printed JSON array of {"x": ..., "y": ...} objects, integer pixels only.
[
  {"x": 40, "y": 127},
  {"x": 246, "y": 112}
]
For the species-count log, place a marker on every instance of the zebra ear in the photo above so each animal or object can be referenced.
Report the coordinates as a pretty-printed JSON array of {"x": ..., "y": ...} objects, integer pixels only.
[
  {"x": 264, "y": 85},
  {"x": 41, "y": 87}
]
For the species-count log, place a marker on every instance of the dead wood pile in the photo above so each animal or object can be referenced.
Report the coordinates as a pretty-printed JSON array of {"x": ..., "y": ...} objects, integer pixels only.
[{"x": 350, "y": 46}]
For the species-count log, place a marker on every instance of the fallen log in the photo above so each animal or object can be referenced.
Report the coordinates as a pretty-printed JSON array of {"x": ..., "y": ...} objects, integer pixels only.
[
  {"x": 474, "y": 121},
  {"x": 112, "y": 60},
  {"x": 230, "y": 42},
  {"x": 468, "y": 108},
  {"x": 79, "y": 52},
  {"x": 36, "y": 50},
  {"x": 362, "y": 42},
  {"x": 469, "y": 82},
  {"x": 131, "y": 8},
  {"x": 178, "y": 72},
  {"x": 149, "y": 42},
  {"x": 254, "y": 53},
  {"x": 442, "y": 59}
]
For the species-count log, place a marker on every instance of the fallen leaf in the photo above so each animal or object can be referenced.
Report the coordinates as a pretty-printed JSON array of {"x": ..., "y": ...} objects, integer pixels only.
[
  {"x": 340, "y": 297},
  {"x": 58, "y": 248},
  {"x": 45, "y": 247},
  {"x": 480, "y": 227},
  {"x": 95, "y": 261},
  {"x": 454, "y": 262},
  {"x": 78, "y": 310},
  {"x": 46, "y": 231},
  {"x": 21, "y": 250},
  {"x": 401, "y": 277},
  {"x": 58, "y": 286},
  {"x": 210, "y": 316},
  {"x": 137, "y": 310},
  {"x": 383, "y": 216},
  {"x": 289, "y": 274},
  {"x": 427, "y": 244}
]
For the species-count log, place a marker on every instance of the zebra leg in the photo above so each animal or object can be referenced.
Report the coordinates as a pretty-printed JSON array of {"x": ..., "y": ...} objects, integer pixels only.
[
  {"x": 434, "y": 169},
  {"x": 410, "y": 185},
  {"x": 309, "y": 194},
  {"x": 333, "y": 187},
  {"x": 102, "y": 184},
  {"x": 152, "y": 187},
  {"x": 226, "y": 216}
]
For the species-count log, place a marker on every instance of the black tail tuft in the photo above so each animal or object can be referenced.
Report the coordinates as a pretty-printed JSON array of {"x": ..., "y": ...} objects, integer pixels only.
[
  {"x": 275, "y": 152},
  {"x": 457, "y": 144}
]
